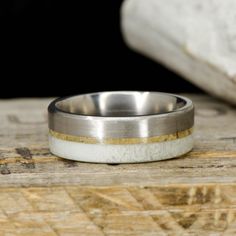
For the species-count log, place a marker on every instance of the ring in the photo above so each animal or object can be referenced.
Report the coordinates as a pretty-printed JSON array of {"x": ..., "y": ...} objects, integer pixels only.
[{"x": 121, "y": 126}]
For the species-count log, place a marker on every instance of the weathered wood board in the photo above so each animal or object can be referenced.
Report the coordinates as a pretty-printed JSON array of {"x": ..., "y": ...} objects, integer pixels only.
[{"x": 41, "y": 194}]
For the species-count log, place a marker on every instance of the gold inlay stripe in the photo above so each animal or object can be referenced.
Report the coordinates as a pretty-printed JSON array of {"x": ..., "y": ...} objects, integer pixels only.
[{"x": 90, "y": 140}]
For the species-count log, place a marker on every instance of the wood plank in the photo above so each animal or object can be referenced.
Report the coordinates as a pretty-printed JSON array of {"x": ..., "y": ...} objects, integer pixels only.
[
  {"x": 80, "y": 210},
  {"x": 42, "y": 194},
  {"x": 26, "y": 161}
]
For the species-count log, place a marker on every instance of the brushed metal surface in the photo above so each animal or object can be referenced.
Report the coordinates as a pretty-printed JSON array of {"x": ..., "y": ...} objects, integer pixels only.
[{"x": 121, "y": 114}]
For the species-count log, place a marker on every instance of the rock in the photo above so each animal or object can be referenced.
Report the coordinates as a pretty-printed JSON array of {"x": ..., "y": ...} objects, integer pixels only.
[{"x": 195, "y": 38}]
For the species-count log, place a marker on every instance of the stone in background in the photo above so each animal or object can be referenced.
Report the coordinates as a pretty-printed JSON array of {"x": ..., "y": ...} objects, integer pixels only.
[{"x": 195, "y": 38}]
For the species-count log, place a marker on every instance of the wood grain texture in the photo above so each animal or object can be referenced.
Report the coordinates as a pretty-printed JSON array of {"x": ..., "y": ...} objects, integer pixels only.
[
  {"x": 79, "y": 210},
  {"x": 42, "y": 194}
]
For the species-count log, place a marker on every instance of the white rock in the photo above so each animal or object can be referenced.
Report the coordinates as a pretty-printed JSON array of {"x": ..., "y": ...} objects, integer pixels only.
[{"x": 195, "y": 38}]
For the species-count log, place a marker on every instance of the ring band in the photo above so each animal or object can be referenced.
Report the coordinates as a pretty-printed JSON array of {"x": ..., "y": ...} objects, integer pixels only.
[{"x": 134, "y": 123}]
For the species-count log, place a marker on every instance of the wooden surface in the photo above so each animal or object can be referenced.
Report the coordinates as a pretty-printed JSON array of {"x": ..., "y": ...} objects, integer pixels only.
[{"x": 41, "y": 194}]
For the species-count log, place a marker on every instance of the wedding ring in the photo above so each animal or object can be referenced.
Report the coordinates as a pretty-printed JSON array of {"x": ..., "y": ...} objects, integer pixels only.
[{"x": 121, "y": 126}]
